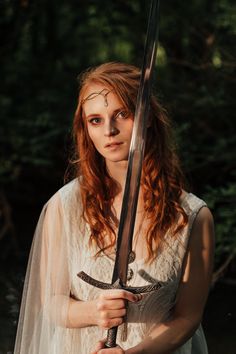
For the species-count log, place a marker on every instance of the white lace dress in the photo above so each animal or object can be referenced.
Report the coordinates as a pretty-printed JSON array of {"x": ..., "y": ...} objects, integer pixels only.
[{"x": 68, "y": 239}]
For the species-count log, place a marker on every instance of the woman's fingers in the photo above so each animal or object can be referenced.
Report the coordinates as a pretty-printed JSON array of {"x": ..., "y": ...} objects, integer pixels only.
[
  {"x": 112, "y": 318},
  {"x": 111, "y": 307},
  {"x": 116, "y": 350},
  {"x": 99, "y": 346},
  {"x": 113, "y": 313},
  {"x": 100, "y": 349},
  {"x": 104, "y": 304},
  {"x": 115, "y": 299},
  {"x": 107, "y": 323},
  {"x": 119, "y": 294}
]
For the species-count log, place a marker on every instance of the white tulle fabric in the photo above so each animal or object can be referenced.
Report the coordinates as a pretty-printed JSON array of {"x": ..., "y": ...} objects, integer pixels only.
[{"x": 60, "y": 250}]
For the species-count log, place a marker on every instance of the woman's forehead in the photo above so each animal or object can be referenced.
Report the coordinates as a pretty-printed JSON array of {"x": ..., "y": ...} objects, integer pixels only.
[
  {"x": 104, "y": 93},
  {"x": 99, "y": 92},
  {"x": 94, "y": 87}
]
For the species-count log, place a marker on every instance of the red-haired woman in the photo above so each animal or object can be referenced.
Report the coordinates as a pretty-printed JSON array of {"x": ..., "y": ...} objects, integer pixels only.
[{"x": 173, "y": 238}]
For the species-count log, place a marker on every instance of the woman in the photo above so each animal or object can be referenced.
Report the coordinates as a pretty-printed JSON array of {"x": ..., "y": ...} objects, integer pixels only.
[{"x": 173, "y": 238}]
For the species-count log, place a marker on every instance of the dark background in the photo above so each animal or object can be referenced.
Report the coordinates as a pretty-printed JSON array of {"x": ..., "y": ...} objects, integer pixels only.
[{"x": 44, "y": 46}]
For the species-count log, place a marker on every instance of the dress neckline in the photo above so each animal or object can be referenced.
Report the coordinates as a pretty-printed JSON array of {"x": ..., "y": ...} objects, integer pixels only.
[{"x": 142, "y": 260}]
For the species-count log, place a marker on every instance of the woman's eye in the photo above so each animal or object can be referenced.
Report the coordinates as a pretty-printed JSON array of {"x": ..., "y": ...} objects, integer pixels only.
[
  {"x": 122, "y": 114},
  {"x": 95, "y": 121}
]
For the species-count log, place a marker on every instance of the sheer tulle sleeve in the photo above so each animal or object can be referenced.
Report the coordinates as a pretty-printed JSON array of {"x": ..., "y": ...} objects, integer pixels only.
[{"x": 46, "y": 292}]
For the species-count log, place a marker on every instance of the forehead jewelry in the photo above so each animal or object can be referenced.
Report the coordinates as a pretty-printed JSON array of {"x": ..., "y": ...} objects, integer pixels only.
[{"x": 93, "y": 95}]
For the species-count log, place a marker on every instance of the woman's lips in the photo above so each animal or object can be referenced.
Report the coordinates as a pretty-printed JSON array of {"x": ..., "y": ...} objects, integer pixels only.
[{"x": 113, "y": 145}]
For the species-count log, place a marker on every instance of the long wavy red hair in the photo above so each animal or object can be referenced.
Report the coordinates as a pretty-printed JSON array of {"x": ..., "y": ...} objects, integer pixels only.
[{"x": 162, "y": 179}]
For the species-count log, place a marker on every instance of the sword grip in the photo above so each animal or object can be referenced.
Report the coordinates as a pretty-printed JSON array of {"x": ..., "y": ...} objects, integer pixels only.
[{"x": 111, "y": 337}]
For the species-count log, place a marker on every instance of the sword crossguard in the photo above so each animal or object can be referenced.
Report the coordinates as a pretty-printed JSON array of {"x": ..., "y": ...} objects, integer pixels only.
[
  {"x": 117, "y": 285},
  {"x": 112, "y": 332}
]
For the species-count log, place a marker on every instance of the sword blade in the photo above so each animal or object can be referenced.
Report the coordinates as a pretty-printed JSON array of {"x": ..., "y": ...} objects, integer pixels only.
[{"x": 136, "y": 152}]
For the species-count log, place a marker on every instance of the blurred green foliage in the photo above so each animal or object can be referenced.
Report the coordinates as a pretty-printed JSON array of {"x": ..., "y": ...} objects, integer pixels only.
[{"x": 46, "y": 44}]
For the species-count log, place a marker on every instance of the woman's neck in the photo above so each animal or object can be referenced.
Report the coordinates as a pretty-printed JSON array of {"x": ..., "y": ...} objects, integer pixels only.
[{"x": 118, "y": 171}]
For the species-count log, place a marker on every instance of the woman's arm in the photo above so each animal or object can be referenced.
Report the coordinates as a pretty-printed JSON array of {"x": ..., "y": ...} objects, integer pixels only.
[
  {"x": 106, "y": 311},
  {"x": 52, "y": 251},
  {"x": 192, "y": 293}
]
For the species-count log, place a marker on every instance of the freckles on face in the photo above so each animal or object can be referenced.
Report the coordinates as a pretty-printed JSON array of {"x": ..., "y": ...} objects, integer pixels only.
[{"x": 109, "y": 123}]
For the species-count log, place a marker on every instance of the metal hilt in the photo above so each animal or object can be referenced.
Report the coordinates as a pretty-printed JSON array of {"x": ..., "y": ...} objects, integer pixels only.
[
  {"x": 111, "y": 337},
  {"x": 112, "y": 332}
]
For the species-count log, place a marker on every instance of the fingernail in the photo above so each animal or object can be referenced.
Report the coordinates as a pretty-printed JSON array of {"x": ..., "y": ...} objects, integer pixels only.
[{"x": 138, "y": 297}]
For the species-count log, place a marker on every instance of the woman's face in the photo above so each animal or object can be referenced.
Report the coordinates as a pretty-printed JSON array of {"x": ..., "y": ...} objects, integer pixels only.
[{"x": 108, "y": 122}]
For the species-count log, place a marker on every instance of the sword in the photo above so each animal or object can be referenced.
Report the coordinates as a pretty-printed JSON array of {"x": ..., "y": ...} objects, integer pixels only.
[{"x": 134, "y": 170}]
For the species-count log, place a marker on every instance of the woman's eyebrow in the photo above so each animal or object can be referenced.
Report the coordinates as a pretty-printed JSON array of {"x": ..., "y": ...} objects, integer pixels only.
[
  {"x": 118, "y": 110},
  {"x": 93, "y": 115},
  {"x": 100, "y": 115}
]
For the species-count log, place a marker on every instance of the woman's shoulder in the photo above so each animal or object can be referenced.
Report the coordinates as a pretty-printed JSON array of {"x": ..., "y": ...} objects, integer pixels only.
[
  {"x": 197, "y": 210},
  {"x": 66, "y": 196},
  {"x": 191, "y": 203},
  {"x": 69, "y": 189}
]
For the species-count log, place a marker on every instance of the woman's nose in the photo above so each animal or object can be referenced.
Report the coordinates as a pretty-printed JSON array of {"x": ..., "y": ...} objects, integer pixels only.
[{"x": 111, "y": 129}]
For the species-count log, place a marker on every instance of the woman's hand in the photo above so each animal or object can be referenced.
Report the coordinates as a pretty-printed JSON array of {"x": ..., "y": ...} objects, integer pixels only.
[
  {"x": 100, "y": 349},
  {"x": 110, "y": 307}
]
